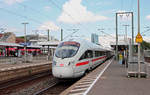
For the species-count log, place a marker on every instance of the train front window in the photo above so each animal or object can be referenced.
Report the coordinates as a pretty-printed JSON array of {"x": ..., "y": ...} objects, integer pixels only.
[{"x": 67, "y": 49}]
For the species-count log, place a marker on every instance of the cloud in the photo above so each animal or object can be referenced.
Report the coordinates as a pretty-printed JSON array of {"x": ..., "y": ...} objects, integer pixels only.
[
  {"x": 10, "y": 2},
  {"x": 148, "y": 17},
  {"x": 47, "y": 8},
  {"x": 74, "y": 12},
  {"x": 49, "y": 25}
]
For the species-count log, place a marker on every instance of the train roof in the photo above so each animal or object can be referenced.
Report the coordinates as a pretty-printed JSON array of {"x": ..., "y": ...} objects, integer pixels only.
[{"x": 88, "y": 44}]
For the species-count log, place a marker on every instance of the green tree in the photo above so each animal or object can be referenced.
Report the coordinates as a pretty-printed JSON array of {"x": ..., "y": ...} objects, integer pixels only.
[{"x": 145, "y": 45}]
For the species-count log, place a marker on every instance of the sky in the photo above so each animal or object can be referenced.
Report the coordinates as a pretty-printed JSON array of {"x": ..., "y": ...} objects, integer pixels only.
[{"x": 83, "y": 16}]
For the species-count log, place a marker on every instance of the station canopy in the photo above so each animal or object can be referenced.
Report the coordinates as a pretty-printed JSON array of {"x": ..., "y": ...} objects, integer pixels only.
[
  {"x": 10, "y": 44},
  {"x": 51, "y": 44},
  {"x": 121, "y": 43}
]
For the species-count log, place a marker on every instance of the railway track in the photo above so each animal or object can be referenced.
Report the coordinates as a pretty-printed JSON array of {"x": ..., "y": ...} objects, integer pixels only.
[
  {"x": 15, "y": 82},
  {"x": 54, "y": 82},
  {"x": 54, "y": 86},
  {"x": 57, "y": 87}
]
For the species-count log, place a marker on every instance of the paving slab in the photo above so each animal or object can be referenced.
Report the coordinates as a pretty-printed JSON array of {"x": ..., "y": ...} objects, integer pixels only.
[{"x": 114, "y": 81}]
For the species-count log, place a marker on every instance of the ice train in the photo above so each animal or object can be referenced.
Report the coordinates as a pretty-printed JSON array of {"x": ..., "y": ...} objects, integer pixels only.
[{"x": 73, "y": 58}]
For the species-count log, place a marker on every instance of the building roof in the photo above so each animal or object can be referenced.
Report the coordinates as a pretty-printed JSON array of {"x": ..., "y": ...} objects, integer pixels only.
[
  {"x": 121, "y": 42},
  {"x": 19, "y": 40},
  {"x": 9, "y": 44},
  {"x": 1, "y": 35},
  {"x": 48, "y": 43},
  {"x": 34, "y": 46}
]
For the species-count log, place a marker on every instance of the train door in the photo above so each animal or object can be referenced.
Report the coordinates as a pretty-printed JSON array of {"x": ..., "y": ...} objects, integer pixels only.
[
  {"x": 90, "y": 55},
  {"x": 84, "y": 62}
]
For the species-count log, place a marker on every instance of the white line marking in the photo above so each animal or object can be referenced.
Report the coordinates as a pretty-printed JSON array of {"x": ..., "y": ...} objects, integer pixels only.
[
  {"x": 81, "y": 89},
  {"x": 85, "y": 93},
  {"x": 76, "y": 93},
  {"x": 91, "y": 77},
  {"x": 82, "y": 86},
  {"x": 88, "y": 79},
  {"x": 85, "y": 83}
]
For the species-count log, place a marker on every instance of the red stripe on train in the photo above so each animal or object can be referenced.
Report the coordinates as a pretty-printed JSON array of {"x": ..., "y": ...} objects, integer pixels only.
[
  {"x": 87, "y": 62},
  {"x": 82, "y": 63},
  {"x": 98, "y": 58}
]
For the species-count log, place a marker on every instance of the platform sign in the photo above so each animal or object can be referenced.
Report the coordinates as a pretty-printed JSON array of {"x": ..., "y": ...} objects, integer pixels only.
[{"x": 139, "y": 38}]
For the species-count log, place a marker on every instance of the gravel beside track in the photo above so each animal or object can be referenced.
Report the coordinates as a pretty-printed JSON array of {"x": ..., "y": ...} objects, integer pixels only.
[
  {"x": 59, "y": 87},
  {"x": 28, "y": 87}
]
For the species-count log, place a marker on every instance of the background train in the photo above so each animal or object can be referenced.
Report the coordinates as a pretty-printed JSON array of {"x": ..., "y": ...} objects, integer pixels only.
[{"x": 75, "y": 57}]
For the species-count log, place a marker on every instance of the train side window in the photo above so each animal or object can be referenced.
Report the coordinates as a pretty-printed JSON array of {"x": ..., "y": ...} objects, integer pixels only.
[
  {"x": 96, "y": 53},
  {"x": 82, "y": 57},
  {"x": 103, "y": 53},
  {"x": 87, "y": 54},
  {"x": 99, "y": 53},
  {"x": 90, "y": 54}
]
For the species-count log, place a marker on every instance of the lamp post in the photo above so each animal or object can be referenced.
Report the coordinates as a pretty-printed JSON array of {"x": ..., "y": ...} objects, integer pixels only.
[
  {"x": 25, "y": 39},
  {"x": 139, "y": 65}
]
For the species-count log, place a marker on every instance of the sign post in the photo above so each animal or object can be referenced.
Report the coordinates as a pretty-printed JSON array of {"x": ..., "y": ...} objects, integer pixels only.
[{"x": 139, "y": 40}]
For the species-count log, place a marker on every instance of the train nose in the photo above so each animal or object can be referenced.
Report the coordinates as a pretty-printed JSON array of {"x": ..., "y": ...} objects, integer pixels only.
[{"x": 62, "y": 72}]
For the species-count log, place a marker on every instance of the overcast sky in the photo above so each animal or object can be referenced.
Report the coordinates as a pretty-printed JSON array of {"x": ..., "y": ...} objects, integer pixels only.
[{"x": 85, "y": 15}]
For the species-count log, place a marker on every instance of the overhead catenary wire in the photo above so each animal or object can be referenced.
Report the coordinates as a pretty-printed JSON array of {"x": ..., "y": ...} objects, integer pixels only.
[
  {"x": 66, "y": 13},
  {"x": 31, "y": 9},
  {"x": 145, "y": 31},
  {"x": 105, "y": 33},
  {"x": 26, "y": 17},
  {"x": 131, "y": 7},
  {"x": 58, "y": 7},
  {"x": 122, "y": 3},
  {"x": 61, "y": 9},
  {"x": 22, "y": 16},
  {"x": 19, "y": 15},
  {"x": 70, "y": 35}
]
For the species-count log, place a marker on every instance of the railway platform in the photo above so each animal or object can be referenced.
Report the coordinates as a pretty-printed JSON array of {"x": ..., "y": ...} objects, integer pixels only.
[
  {"x": 114, "y": 81},
  {"x": 110, "y": 79},
  {"x": 13, "y": 71}
]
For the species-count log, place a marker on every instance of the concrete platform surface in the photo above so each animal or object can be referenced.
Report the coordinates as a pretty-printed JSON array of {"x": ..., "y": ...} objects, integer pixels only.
[
  {"x": 115, "y": 82},
  {"x": 9, "y": 66}
]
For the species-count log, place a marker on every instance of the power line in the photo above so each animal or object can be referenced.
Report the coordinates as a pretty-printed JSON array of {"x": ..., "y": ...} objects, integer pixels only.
[
  {"x": 65, "y": 12},
  {"x": 145, "y": 31},
  {"x": 121, "y": 4},
  {"x": 2, "y": 30},
  {"x": 102, "y": 30},
  {"x": 70, "y": 35},
  {"x": 131, "y": 7},
  {"x": 31, "y": 9},
  {"x": 21, "y": 16},
  {"x": 61, "y": 9},
  {"x": 126, "y": 32}
]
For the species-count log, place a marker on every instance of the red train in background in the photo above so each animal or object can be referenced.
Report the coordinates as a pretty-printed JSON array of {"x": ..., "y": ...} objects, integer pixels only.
[{"x": 18, "y": 51}]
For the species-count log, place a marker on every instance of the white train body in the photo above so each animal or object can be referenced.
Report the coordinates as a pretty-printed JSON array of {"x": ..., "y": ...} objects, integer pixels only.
[{"x": 74, "y": 57}]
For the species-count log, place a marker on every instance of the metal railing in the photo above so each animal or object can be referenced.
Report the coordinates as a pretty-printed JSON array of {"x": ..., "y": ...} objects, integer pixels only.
[{"x": 30, "y": 59}]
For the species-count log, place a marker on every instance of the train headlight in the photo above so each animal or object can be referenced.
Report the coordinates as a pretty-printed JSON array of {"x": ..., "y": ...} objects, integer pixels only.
[
  {"x": 71, "y": 63},
  {"x": 54, "y": 63}
]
